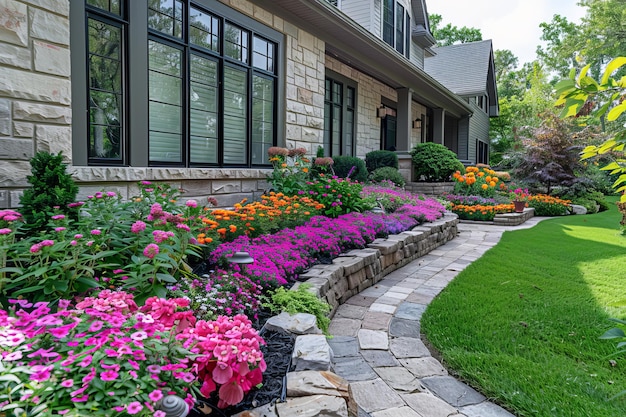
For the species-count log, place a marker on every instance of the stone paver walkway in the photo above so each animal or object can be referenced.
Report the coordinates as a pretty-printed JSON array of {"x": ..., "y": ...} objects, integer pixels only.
[{"x": 377, "y": 346}]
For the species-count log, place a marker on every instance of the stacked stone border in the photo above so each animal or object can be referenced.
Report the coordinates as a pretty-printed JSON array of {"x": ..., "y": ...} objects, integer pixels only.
[{"x": 358, "y": 269}]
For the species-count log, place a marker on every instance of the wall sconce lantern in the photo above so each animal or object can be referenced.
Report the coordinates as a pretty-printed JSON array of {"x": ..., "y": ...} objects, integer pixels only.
[
  {"x": 417, "y": 123},
  {"x": 381, "y": 112}
]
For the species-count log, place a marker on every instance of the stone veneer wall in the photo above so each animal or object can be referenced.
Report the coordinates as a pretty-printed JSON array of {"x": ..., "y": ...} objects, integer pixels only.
[
  {"x": 354, "y": 271},
  {"x": 35, "y": 98}
]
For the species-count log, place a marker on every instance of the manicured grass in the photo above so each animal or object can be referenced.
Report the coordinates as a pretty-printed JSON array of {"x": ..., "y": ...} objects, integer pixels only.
[{"x": 521, "y": 324}]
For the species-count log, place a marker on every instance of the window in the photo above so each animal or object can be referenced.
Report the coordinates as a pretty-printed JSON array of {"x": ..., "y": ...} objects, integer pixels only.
[
  {"x": 397, "y": 27},
  {"x": 482, "y": 152},
  {"x": 339, "y": 115},
  {"x": 106, "y": 33},
  {"x": 207, "y": 95},
  {"x": 388, "y": 130}
]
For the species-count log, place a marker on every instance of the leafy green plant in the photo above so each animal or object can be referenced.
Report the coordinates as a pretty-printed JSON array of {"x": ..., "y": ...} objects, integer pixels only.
[
  {"x": 142, "y": 244},
  {"x": 51, "y": 187},
  {"x": 379, "y": 159},
  {"x": 434, "y": 162},
  {"x": 291, "y": 169},
  {"x": 387, "y": 174},
  {"x": 300, "y": 300},
  {"x": 581, "y": 93},
  {"x": 338, "y": 195},
  {"x": 350, "y": 167}
]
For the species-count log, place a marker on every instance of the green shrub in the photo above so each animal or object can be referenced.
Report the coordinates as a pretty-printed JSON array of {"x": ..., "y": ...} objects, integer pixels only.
[
  {"x": 433, "y": 162},
  {"x": 379, "y": 159},
  {"x": 51, "y": 187},
  {"x": 587, "y": 203},
  {"x": 387, "y": 174},
  {"x": 338, "y": 195},
  {"x": 301, "y": 300},
  {"x": 344, "y": 165}
]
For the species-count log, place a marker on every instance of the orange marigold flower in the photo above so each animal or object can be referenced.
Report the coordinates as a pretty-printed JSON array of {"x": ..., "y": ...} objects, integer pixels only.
[
  {"x": 232, "y": 228},
  {"x": 484, "y": 186},
  {"x": 221, "y": 231}
]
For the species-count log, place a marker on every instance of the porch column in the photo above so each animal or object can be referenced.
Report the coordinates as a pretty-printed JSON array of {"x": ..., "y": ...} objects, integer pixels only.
[
  {"x": 404, "y": 120},
  {"x": 439, "y": 120}
]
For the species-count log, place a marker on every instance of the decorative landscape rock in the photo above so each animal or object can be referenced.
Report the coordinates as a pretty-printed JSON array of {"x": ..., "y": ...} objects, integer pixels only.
[
  {"x": 300, "y": 323},
  {"x": 311, "y": 352},
  {"x": 304, "y": 383},
  {"x": 316, "y": 405}
]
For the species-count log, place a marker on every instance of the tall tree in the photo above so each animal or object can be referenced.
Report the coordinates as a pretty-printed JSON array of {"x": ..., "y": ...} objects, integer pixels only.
[
  {"x": 596, "y": 40},
  {"x": 450, "y": 35}
]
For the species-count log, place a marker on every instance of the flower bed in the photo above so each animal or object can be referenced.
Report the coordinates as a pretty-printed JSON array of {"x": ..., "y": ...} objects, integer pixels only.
[{"x": 145, "y": 247}]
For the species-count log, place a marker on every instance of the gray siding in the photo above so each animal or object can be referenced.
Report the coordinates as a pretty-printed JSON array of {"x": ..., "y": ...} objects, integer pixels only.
[
  {"x": 417, "y": 55},
  {"x": 478, "y": 129},
  {"x": 377, "y": 18},
  {"x": 361, "y": 12},
  {"x": 463, "y": 139}
]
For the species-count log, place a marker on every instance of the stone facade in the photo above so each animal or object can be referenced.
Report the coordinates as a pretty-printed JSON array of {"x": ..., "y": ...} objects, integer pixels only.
[
  {"x": 35, "y": 96},
  {"x": 36, "y": 113}
]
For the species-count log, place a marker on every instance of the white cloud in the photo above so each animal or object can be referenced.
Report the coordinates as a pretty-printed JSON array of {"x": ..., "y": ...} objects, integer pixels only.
[{"x": 511, "y": 24}]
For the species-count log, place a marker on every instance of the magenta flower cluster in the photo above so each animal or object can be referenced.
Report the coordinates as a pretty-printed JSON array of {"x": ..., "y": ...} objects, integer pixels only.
[
  {"x": 280, "y": 257},
  {"x": 107, "y": 354}
]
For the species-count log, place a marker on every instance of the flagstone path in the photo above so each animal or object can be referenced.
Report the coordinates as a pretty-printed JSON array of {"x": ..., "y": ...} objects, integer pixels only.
[{"x": 377, "y": 346}]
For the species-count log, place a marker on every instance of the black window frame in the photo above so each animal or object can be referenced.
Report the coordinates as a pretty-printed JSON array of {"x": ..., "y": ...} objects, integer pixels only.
[
  {"x": 396, "y": 34},
  {"x": 329, "y": 140},
  {"x": 135, "y": 47}
]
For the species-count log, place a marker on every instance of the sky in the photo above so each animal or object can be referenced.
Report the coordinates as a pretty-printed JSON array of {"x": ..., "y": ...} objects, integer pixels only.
[{"x": 510, "y": 24}]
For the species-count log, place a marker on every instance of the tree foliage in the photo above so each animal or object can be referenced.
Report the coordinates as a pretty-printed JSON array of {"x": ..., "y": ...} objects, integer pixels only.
[
  {"x": 607, "y": 99},
  {"x": 599, "y": 37},
  {"x": 551, "y": 154},
  {"x": 450, "y": 35}
]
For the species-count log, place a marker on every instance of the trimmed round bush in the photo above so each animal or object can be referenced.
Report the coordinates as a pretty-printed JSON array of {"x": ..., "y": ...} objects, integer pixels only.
[
  {"x": 343, "y": 165},
  {"x": 388, "y": 174},
  {"x": 433, "y": 162},
  {"x": 379, "y": 159}
]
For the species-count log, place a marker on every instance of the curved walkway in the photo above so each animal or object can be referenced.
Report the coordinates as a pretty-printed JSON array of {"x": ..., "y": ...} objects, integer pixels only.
[{"x": 377, "y": 345}]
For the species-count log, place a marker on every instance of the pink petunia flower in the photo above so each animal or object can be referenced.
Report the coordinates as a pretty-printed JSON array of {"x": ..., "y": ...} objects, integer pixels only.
[
  {"x": 5, "y": 231},
  {"x": 96, "y": 232},
  {"x": 134, "y": 408},
  {"x": 109, "y": 375},
  {"x": 155, "y": 395}
]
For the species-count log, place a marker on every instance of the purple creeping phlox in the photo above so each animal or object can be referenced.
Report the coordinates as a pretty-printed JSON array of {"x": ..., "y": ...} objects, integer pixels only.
[{"x": 280, "y": 257}]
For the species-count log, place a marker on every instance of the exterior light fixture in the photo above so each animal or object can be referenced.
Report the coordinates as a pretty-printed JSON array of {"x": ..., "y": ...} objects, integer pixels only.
[
  {"x": 241, "y": 258},
  {"x": 417, "y": 123},
  {"x": 173, "y": 406},
  {"x": 381, "y": 112}
]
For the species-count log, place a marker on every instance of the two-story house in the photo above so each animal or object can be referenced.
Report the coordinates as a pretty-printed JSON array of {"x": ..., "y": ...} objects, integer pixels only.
[
  {"x": 194, "y": 92},
  {"x": 475, "y": 81}
]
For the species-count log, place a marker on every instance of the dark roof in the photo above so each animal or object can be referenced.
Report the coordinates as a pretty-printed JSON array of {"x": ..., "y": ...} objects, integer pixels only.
[{"x": 463, "y": 68}]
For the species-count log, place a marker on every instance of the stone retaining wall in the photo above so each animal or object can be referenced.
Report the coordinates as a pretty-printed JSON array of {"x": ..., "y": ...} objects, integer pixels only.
[
  {"x": 429, "y": 188},
  {"x": 513, "y": 219},
  {"x": 354, "y": 271}
]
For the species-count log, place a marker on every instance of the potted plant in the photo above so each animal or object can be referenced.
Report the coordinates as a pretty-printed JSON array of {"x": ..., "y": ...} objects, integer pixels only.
[{"x": 519, "y": 197}]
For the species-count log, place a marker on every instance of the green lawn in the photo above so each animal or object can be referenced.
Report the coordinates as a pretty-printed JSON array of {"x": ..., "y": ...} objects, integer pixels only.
[{"x": 522, "y": 323}]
